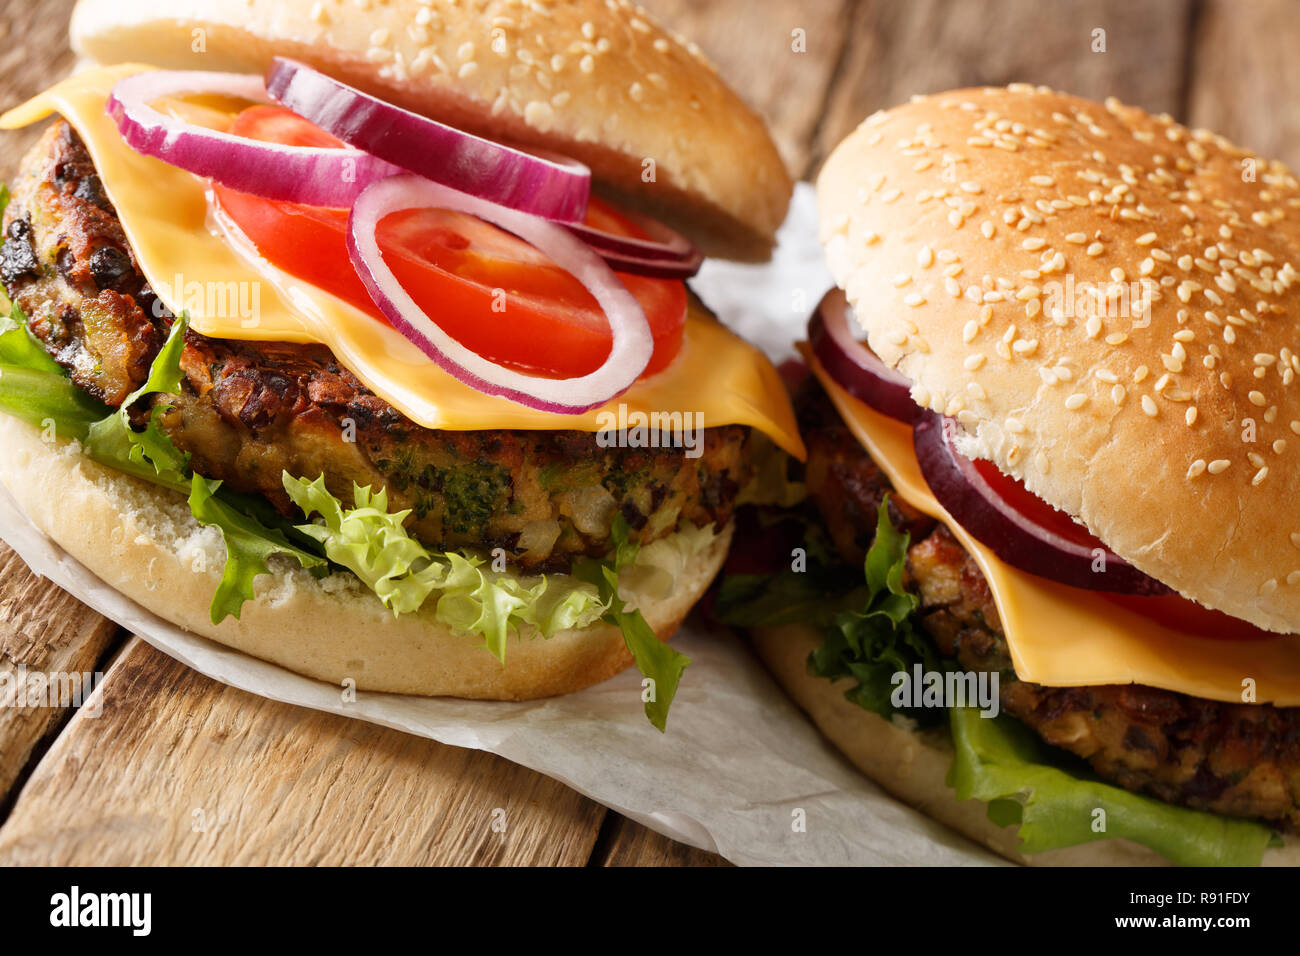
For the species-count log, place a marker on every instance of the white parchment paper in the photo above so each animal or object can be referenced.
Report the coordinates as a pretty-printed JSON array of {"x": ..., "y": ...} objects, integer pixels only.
[{"x": 738, "y": 760}]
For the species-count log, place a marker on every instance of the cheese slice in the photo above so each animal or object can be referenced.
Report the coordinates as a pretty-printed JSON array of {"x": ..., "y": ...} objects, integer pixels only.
[
  {"x": 165, "y": 214},
  {"x": 1062, "y": 636}
]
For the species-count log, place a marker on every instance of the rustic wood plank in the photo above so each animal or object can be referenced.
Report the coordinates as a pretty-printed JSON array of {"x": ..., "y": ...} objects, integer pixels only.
[
  {"x": 753, "y": 44},
  {"x": 180, "y": 769},
  {"x": 924, "y": 46},
  {"x": 34, "y": 52},
  {"x": 1245, "y": 75},
  {"x": 44, "y": 631},
  {"x": 625, "y": 843}
]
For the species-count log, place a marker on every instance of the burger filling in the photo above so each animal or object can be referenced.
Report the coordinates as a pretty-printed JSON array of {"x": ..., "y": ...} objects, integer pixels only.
[
  {"x": 287, "y": 425},
  {"x": 1235, "y": 760}
]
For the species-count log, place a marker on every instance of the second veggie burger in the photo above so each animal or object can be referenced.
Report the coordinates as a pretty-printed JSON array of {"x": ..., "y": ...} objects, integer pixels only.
[{"x": 1067, "y": 463}]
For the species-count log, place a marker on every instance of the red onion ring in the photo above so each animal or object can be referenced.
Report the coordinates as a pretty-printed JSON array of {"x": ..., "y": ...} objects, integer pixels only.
[
  {"x": 299, "y": 174},
  {"x": 633, "y": 343},
  {"x": 668, "y": 255},
  {"x": 545, "y": 185},
  {"x": 1015, "y": 537},
  {"x": 855, "y": 368}
]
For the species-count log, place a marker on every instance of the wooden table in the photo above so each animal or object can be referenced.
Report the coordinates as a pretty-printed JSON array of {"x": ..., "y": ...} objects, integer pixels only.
[{"x": 178, "y": 769}]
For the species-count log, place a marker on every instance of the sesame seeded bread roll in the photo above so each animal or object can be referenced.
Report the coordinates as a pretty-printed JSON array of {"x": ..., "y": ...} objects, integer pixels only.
[
  {"x": 600, "y": 82},
  {"x": 912, "y": 765},
  {"x": 977, "y": 234},
  {"x": 143, "y": 541}
]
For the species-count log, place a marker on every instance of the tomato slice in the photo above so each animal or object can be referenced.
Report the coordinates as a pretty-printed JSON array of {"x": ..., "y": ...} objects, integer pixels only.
[
  {"x": 491, "y": 291},
  {"x": 1172, "y": 610},
  {"x": 1178, "y": 613}
]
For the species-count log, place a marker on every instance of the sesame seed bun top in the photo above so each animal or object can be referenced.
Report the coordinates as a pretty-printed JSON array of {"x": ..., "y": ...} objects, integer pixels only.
[
  {"x": 1107, "y": 303},
  {"x": 599, "y": 81}
]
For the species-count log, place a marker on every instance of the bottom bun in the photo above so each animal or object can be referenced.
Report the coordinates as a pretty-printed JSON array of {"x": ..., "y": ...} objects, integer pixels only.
[
  {"x": 143, "y": 541},
  {"x": 912, "y": 764}
]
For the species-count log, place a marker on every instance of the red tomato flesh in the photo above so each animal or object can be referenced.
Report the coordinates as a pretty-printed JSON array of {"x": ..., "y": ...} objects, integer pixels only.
[
  {"x": 1171, "y": 610},
  {"x": 491, "y": 291}
]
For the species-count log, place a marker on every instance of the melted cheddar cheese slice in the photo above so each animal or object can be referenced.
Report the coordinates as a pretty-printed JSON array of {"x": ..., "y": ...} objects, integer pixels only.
[
  {"x": 165, "y": 214},
  {"x": 1062, "y": 636}
]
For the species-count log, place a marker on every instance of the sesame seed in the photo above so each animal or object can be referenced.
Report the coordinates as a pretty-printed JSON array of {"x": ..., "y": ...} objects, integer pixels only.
[
  {"x": 1218, "y": 466},
  {"x": 925, "y": 258},
  {"x": 974, "y": 362},
  {"x": 1257, "y": 398},
  {"x": 1190, "y": 417},
  {"x": 1149, "y": 406},
  {"x": 1197, "y": 468},
  {"x": 914, "y": 299},
  {"x": 1076, "y": 401},
  {"x": 1268, "y": 587}
]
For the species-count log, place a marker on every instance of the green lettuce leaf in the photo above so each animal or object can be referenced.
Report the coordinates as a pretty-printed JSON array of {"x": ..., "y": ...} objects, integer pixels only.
[
  {"x": 19, "y": 347},
  {"x": 249, "y": 544},
  {"x": 880, "y": 639},
  {"x": 472, "y": 598},
  {"x": 1002, "y": 762},
  {"x": 655, "y": 659},
  {"x": 35, "y": 389},
  {"x": 148, "y": 454},
  {"x": 865, "y": 615}
]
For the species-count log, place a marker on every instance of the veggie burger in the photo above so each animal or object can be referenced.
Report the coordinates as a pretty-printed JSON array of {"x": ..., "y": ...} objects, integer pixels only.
[
  {"x": 321, "y": 344},
  {"x": 1065, "y": 458}
]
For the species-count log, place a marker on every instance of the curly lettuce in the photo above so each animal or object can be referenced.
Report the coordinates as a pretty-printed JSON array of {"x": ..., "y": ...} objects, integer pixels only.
[
  {"x": 473, "y": 599},
  {"x": 864, "y": 614},
  {"x": 660, "y": 663}
]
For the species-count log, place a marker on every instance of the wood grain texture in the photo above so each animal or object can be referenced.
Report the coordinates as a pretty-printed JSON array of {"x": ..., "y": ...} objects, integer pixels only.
[
  {"x": 924, "y": 46},
  {"x": 1246, "y": 79},
  {"x": 753, "y": 45},
  {"x": 34, "y": 52},
  {"x": 43, "y": 631},
  {"x": 625, "y": 843},
  {"x": 180, "y": 769}
]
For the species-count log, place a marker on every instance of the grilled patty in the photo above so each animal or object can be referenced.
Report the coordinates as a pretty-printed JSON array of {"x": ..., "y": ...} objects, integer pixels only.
[
  {"x": 251, "y": 410},
  {"x": 1240, "y": 760}
]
